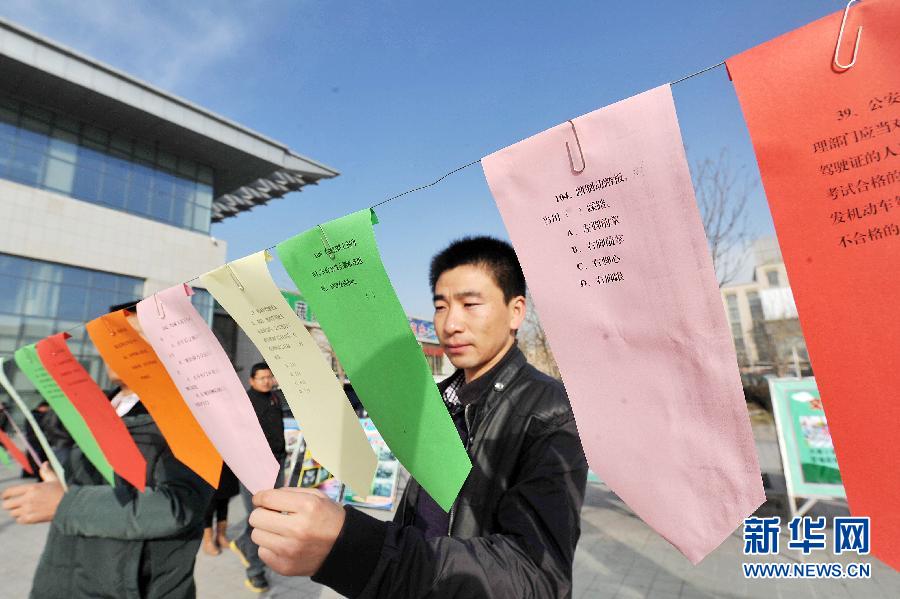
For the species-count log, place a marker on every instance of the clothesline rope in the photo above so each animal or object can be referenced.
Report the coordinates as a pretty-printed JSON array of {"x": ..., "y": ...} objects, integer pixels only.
[
  {"x": 438, "y": 180},
  {"x": 474, "y": 162}
]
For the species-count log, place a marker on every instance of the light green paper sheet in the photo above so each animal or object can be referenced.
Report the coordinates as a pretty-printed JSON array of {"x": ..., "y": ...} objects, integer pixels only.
[
  {"x": 27, "y": 359},
  {"x": 4, "y": 457},
  {"x": 38, "y": 433},
  {"x": 338, "y": 269}
]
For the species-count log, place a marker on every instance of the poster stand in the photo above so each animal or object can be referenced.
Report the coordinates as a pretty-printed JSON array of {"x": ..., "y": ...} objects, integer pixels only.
[
  {"x": 301, "y": 470},
  {"x": 791, "y": 445}
]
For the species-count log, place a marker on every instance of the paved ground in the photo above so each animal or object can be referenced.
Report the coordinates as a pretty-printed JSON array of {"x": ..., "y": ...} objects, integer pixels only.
[{"x": 618, "y": 556}]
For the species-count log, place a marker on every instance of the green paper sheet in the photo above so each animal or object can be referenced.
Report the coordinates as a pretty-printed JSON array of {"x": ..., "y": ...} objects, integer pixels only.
[
  {"x": 38, "y": 433},
  {"x": 4, "y": 457},
  {"x": 27, "y": 359},
  {"x": 339, "y": 271}
]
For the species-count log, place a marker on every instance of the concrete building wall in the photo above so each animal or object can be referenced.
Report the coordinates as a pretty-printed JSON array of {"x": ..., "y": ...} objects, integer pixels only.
[{"x": 48, "y": 226}]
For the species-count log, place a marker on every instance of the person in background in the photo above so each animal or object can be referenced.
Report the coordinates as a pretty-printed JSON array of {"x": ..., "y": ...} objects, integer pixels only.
[
  {"x": 214, "y": 540},
  {"x": 355, "y": 402},
  {"x": 285, "y": 408},
  {"x": 268, "y": 407},
  {"x": 114, "y": 541},
  {"x": 58, "y": 437}
]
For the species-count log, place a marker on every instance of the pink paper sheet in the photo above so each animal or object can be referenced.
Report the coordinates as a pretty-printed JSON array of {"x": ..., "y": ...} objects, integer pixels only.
[
  {"x": 618, "y": 265},
  {"x": 206, "y": 379}
]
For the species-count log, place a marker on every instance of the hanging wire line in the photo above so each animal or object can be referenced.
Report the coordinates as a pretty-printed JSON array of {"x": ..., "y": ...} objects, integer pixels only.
[
  {"x": 421, "y": 187},
  {"x": 441, "y": 178},
  {"x": 700, "y": 72}
]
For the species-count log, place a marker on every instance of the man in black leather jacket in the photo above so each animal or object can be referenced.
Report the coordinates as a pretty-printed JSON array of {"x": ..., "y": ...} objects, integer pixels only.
[
  {"x": 513, "y": 529},
  {"x": 268, "y": 408}
]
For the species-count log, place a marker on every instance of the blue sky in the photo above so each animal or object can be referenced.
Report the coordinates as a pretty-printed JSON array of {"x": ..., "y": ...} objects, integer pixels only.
[{"x": 395, "y": 94}]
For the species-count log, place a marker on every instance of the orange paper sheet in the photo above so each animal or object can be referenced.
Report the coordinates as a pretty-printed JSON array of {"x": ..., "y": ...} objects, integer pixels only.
[
  {"x": 828, "y": 147},
  {"x": 109, "y": 430},
  {"x": 138, "y": 366}
]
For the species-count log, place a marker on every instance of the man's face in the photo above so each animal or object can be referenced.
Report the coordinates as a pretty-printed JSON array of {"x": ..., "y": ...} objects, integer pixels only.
[
  {"x": 262, "y": 381},
  {"x": 473, "y": 322}
]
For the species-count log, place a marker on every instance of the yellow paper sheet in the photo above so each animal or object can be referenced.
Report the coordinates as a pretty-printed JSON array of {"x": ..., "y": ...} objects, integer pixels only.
[{"x": 331, "y": 428}]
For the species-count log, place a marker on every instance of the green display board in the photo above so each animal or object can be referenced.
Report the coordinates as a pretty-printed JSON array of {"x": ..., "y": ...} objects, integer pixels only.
[{"x": 810, "y": 464}]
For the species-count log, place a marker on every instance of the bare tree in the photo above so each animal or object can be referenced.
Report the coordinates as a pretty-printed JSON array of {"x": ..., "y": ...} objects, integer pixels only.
[
  {"x": 533, "y": 341},
  {"x": 723, "y": 192}
]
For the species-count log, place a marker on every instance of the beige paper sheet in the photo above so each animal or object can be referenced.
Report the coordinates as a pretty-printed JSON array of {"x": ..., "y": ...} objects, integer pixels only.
[{"x": 331, "y": 428}]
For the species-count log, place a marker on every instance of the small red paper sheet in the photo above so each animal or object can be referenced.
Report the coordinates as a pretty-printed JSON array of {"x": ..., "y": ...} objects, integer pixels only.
[
  {"x": 828, "y": 145},
  {"x": 15, "y": 452},
  {"x": 87, "y": 397}
]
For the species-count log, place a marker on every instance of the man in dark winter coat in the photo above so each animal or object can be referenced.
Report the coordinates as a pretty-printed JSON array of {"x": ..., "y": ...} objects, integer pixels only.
[
  {"x": 116, "y": 541},
  {"x": 513, "y": 529},
  {"x": 58, "y": 437}
]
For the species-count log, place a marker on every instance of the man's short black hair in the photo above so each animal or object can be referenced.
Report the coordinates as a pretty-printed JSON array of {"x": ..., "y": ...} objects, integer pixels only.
[
  {"x": 257, "y": 367},
  {"x": 494, "y": 255}
]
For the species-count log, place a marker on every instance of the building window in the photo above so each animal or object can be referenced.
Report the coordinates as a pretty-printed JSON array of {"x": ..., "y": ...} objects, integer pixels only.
[
  {"x": 737, "y": 331},
  {"x": 734, "y": 313},
  {"x": 435, "y": 363},
  {"x": 204, "y": 303},
  {"x": 761, "y": 337},
  {"x": 772, "y": 275},
  {"x": 43, "y": 149},
  {"x": 39, "y": 298},
  {"x": 756, "y": 311}
]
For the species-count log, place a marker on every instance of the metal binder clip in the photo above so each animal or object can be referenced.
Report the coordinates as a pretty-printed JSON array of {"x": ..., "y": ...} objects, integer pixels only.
[
  {"x": 837, "y": 47},
  {"x": 234, "y": 277},
  {"x": 109, "y": 329},
  {"x": 569, "y": 151},
  {"x": 329, "y": 250},
  {"x": 160, "y": 311}
]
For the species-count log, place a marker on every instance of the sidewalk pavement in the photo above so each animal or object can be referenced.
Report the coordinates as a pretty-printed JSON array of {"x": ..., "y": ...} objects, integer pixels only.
[{"x": 618, "y": 556}]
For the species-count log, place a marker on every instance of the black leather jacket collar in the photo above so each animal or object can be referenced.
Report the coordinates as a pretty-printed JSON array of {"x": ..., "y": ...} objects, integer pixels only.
[{"x": 471, "y": 392}]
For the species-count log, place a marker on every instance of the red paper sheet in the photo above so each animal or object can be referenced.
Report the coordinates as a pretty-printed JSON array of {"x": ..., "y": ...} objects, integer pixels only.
[
  {"x": 828, "y": 147},
  {"x": 15, "y": 452},
  {"x": 109, "y": 430}
]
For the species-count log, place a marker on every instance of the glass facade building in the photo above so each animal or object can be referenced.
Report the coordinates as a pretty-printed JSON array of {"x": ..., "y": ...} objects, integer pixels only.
[
  {"x": 38, "y": 299},
  {"x": 77, "y": 136},
  {"x": 49, "y": 151}
]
